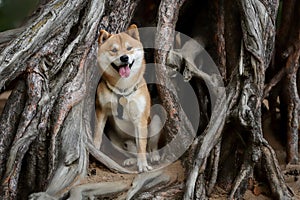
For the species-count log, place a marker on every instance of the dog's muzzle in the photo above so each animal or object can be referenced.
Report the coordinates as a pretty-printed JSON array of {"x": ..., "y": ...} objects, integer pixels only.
[{"x": 123, "y": 69}]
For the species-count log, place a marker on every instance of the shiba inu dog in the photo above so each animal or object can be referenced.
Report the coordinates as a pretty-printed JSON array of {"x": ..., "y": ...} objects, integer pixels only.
[{"x": 122, "y": 95}]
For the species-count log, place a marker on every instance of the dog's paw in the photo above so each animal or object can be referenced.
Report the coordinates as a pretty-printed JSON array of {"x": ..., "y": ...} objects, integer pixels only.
[
  {"x": 154, "y": 157},
  {"x": 129, "y": 162},
  {"x": 143, "y": 166}
]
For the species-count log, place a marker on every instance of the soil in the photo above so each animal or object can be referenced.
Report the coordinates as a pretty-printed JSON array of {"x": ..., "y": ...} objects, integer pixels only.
[{"x": 260, "y": 191}]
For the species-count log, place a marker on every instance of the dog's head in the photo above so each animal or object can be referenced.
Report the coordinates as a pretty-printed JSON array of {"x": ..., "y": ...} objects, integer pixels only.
[{"x": 120, "y": 53}]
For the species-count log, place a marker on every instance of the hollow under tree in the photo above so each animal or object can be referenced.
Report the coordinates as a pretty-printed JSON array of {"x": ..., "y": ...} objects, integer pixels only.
[{"x": 50, "y": 66}]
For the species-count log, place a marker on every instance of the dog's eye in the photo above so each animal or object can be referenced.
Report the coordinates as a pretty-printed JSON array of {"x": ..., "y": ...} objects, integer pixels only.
[
  {"x": 129, "y": 48},
  {"x": 114, "y": 50}
]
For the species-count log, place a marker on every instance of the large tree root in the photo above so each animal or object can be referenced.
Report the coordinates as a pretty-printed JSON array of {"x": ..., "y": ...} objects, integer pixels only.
[
  {"x": 293, "y": 103},
  {"x": 276, "y": 181},
  {"x": 56, "y": 52},
  {"x": 142, "y": 184},
  {"x": 269, "y": 165},
  {"x": 207, "y": 141}
]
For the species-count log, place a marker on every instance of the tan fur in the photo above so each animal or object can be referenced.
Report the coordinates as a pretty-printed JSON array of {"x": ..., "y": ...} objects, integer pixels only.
[{"x": 137, "y": 109}]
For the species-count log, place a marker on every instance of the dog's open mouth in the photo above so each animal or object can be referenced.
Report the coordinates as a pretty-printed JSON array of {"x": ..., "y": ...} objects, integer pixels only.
[{"x": 124, "y": 69}]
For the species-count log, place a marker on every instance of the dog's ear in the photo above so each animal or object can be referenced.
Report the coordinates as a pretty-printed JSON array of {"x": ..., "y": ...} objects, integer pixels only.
[
  {"x": 104, "y": 35},
  {"x": 133, "y": 31}
]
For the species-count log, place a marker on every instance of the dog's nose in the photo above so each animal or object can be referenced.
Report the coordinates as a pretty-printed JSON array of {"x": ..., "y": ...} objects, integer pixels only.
[{"x": 124, "y": 58}]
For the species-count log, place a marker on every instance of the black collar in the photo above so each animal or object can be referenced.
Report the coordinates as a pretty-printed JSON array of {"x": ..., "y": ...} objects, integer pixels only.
[{"x": 122, "y": 92}]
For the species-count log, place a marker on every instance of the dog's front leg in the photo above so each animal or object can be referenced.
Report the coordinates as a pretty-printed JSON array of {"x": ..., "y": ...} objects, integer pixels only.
[
  {"x": 139, "y": 118},
  {"x": 100, "y": 124},
  {"x": 153, "y": 138},
  {"x": 141, "y": 143}
]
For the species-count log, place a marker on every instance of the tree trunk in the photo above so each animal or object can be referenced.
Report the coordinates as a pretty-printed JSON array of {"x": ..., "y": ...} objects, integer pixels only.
[{"x": 48, "y": 121}]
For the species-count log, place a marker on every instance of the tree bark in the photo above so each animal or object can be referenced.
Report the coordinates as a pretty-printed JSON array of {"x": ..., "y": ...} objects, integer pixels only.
[
  {"x": 48, "y": 121},
  {"x": 292, "y": 65},
  {"x": 58, "y": 78},
  {"x": 177, "y": 122}
]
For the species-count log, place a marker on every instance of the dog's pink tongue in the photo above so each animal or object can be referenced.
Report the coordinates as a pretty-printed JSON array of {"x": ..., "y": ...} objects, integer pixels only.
[{"x": 124, "y": 71}]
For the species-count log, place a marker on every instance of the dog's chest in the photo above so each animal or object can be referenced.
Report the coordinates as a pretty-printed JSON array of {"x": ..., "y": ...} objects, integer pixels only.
[{"x": 129, "y": 108}]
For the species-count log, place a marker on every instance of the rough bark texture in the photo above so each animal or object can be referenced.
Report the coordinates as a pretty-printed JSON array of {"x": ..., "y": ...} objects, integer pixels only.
[
  {"x": 48, "y": 121},
  {"x": 286, "y": 63},
  {"x": 167, "y": 17},
  {"x": 56, "y": 53},
  {"x": 292, "y": 65}
]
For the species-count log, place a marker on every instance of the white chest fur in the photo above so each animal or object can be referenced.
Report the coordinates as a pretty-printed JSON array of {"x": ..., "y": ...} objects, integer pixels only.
[
  {"x": 132, "y": 105},
  {"x": 134, "y": 108}
]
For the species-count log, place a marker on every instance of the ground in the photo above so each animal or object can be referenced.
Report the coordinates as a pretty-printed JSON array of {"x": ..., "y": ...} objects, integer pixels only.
[{"x": 258, "y": 191}]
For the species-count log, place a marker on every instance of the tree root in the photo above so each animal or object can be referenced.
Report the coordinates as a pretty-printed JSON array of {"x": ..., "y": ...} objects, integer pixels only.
[
  {"x": 269, "y": 164},
  {"x": 293, "y": 106},
  {"x": 167, "y": 18},
  {"x": 29, "y": 42},
  {"x": 207, "y": 141},
  {"x": 94, "y": 190},
  {"x": 25, "y": 135},
  {"x": 245, "y": 172},
  {"x": 8, "y": 122},
  {"x": 276, "y": 181},
  {"x": 200, "y": 187},
  {"x": 143, "y": 182},
  {"x": 214, "y": 168},
  {"x": 146, "y": 181},
  {"x": 104, "y": 159}
]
